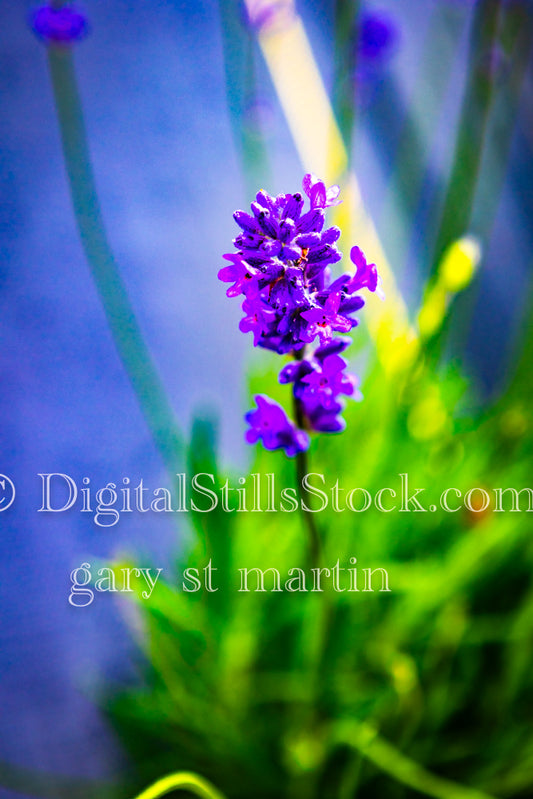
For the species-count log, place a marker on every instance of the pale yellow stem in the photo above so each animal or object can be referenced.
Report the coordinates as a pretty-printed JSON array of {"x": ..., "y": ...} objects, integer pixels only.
[
  {"x": 182, "y": 781},
  {"x": 305, "y": 103}
]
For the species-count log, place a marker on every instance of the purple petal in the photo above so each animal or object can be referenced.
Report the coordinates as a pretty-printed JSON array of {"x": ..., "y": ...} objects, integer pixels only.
[{"x": 246, "y": 222}]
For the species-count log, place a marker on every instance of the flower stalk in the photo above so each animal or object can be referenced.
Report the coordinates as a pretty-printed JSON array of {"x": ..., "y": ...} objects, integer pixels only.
[
  {"x": 182, "y": 781},
  {"x": 282, "y": 270},
  {"x": 117, "y": 306}
]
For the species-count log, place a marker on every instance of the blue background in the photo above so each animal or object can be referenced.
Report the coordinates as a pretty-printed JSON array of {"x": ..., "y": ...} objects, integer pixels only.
[{"x": 151, "y": 77}]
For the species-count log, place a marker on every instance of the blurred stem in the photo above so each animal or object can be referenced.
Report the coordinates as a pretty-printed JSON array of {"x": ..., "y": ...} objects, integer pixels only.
[
  {"x": 346, "y": 39},
  {"x": 520, "y": 385},
  {"x": 401, "y": 768},
  {"x": 477, "y": 102},
  {"x": 516, "y": 38},
  {"x": 510, "y": 64},
  {"x": 239, "y": 67},
  {"x": 415, "y": 122},
  {"x": 108, "y": 280},
  {"x": 182, "y": 781},
  {"x": 45, "y": 785},
  {"x": 351, "y": 777}
]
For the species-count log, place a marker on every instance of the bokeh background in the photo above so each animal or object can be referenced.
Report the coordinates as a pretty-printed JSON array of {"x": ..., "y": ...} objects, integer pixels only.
[{"x": 164, "y": 130}]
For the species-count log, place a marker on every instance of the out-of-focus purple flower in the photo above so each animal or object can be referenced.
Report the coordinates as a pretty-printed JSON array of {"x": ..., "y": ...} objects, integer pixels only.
[
  {"x": 269, "y": 14},
  {"x": 270, "y": 424},
  {"x": 59, "y": 25},
  {"x": 378, "y": 37},
  {"x": 259, "y": 117},
  {"x": 496, "y": 63}
]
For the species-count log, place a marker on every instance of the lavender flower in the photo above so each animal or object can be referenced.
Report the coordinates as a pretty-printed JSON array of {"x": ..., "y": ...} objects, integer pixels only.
[
  {"x": 282, "y": 269},
  {"x": 366, "y": 275},
  {"x": 378, "y": 37},
  {"x": 318, "y": 381},
  {"x": 240, "y": 274},
  {"x": 328, "y": 381},
  {"x": 271, "y": 424},
  {"x": 376, "y": 41},
  {"x": 319, "y": 196},
  {"x": 323, "y": 321},
  {"x": 59, "y": 25}
]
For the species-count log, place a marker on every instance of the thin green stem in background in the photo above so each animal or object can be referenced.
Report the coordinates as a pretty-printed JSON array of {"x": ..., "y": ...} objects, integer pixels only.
[
  {"x": 346, "y": 38},
  {"x": 521, "y": 380},
  {"x": 469, "y": 144},
  {"x": 477, "y": 102},
  {"x": 46, "y": 785},
  {"x": 241, "y": 89},
  {"x": 420, "y": 116},
  {"x": 182, "y": 781},
  {"x": 401, "y": 768},
  {"x": 117, "y": 306},
  {"x": 471, "y": 164},
  {"x": 509, "y": 66},
  {"x": 351, "y": 777}
]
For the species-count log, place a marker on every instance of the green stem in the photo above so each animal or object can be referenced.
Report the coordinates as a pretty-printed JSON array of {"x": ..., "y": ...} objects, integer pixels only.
[
  {"x": 401, "y": 768},
  {"x": 469, "y": 145},
  {"x": 346, "y": 38},
  {"x": 241, "y": 88},
  {"x": 418, "y": 119},
  {"x": 182, "y": 781},
  {"x": 351, "y": 777},
  {"x": 45, "y": 785},
  {"x": 519, "y": 387},
  {"x": 108, "y": 280},
  {"x": 516, "y": 35},
  {"x": 516, "y": 42},
  {"x": 302, "y": 468}
]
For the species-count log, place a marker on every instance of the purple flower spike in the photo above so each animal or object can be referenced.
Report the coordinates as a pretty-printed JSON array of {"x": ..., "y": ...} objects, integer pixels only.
[
  {"x": 61, "y": 25},
  {"x": 282, "y": 268},
  {"x": 270, "y": 424}
]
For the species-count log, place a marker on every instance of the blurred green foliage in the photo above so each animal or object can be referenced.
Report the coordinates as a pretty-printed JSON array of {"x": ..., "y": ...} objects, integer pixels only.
[
  {"x": 426, "y": 690},
  {"x": 299, "y": 695}
]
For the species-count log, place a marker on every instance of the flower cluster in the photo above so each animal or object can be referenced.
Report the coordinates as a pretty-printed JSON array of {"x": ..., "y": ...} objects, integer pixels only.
[
  {"x": 378, "y": 38},
  {"x": 59, "y": 25},
  {"x": 282, "y": 269}
]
